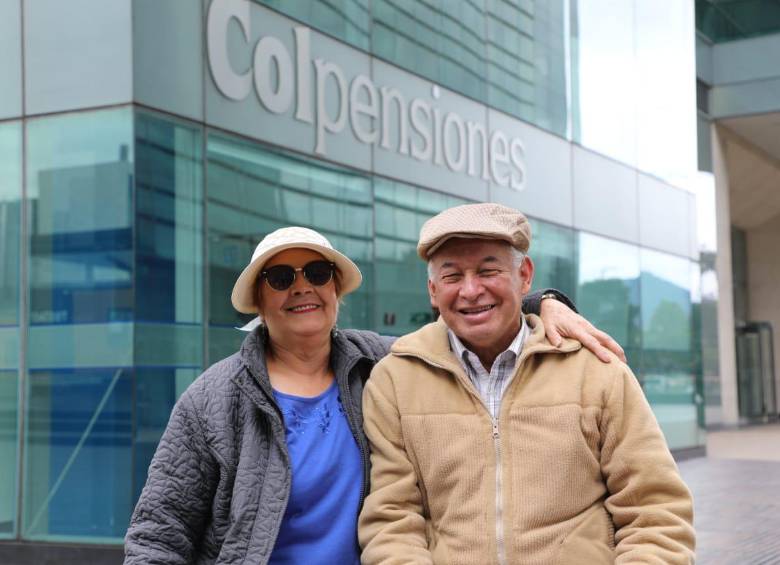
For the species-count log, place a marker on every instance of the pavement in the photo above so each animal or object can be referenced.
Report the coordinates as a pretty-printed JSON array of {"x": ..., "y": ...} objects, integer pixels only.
[{"x": 736, "y": 491}]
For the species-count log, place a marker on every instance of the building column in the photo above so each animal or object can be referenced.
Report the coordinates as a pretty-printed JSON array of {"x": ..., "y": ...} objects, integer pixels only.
[{"x": 727, "y": 353}]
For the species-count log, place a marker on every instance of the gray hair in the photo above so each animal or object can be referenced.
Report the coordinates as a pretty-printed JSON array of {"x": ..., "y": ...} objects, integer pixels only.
[{"x": 517, "y": 259}]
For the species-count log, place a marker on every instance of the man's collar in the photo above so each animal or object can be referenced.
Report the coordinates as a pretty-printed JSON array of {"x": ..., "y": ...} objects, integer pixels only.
[{"x": 461, "y": 351}]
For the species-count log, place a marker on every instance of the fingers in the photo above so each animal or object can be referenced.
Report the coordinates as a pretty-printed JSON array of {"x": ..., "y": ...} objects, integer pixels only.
[
  {"x": 587, "y": 340},
  {"x": 606, "y": 340},
  {"x": 552, "y": 335}
]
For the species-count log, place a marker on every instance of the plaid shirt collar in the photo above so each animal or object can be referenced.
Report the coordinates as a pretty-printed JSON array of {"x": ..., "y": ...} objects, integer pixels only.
[{"x": 490, "y": 385}]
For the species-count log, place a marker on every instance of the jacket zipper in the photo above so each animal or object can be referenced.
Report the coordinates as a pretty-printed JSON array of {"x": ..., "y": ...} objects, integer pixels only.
[
  {"x": 499, "y": 495},
  {"x": 500, "y": 546},
  {"x": 347, "y": 404}
]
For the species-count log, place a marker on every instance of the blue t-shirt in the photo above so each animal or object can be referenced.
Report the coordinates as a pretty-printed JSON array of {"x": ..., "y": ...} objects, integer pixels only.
[{"x": 320, "y": 522}]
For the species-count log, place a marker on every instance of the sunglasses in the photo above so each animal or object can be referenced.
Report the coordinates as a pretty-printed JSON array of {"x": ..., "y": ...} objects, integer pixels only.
[{"x": 282, "y": 277}]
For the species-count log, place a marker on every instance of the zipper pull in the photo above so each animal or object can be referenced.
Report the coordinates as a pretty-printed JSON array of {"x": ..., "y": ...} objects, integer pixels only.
[{"x": 495, "y": 429}]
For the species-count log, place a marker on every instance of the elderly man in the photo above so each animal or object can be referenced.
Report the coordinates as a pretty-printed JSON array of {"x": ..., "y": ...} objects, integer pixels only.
[{"x": 491, "y": 445}]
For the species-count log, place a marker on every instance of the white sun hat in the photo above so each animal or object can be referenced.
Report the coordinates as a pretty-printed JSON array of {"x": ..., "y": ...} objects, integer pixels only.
[{"x": 243, "y": 297}]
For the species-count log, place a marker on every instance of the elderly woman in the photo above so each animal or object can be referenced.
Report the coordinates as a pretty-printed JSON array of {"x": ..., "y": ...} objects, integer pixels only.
[{"x": 264, "y": 458}]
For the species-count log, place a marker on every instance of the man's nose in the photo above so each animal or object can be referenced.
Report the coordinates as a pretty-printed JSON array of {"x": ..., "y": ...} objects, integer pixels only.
[{"x": 471, "y": 286}]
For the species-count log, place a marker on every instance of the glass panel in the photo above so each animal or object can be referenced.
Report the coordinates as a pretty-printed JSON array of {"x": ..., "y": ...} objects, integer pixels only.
[
  {"x": 78, "y": 456},
  {"x": 10, "y": 216},
  {"x": 252, "y": 191},
  {"x": 604, "y": 77},
  {"x": 9, "y": 382},
  {"x": 608, "y": 291},
  {"x": 756, "y": 371},
  {"x": 80, "y": 200},
  {"x": 554, "y": 252},
  {"x": 724, "y": 20},
  {"x": 665, "y": 95},
  {"x": 96, "y": 41},
  {"x": 348, "y": 20},
  {"x": 526, "y": 61},
  {"x": 669, "y": 367},
  {"x": 169, "y": 243},
  {"x": 10, "y": 59},
  {"x": 697, "y": 346},
  {"x": 441, "y": 40},
  {"x": 709, "y": 335},
  {"x": 402, "y": 304},
  {"x": 631, "y": 67}
]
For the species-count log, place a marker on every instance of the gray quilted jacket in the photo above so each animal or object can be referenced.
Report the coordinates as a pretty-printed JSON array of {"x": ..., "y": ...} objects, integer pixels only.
[
  {"x": 219, "y": 481},
  {"x": 218, "y": 484}
]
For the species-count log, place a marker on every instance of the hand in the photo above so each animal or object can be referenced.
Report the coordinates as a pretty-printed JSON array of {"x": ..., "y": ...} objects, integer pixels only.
[{"x": 560, "y": 321}]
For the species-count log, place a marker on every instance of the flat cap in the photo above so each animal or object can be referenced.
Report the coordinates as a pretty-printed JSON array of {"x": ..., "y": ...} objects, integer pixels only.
[{"x": 484, "y": 221}]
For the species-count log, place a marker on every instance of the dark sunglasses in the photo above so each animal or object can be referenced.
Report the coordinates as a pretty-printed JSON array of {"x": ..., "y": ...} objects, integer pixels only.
[{"x": 282, "y": 277}]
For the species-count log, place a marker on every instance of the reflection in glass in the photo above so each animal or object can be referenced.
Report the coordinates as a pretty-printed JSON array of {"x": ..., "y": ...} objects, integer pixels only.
[
  {"x": 708, "y": 325},
  {"x": 665, "y": 94},
  {"x": 8, "y": 449},
  {"x": 79, "y": 178},
  {"x": 526, "y": 61},
  {"x": 669, "y": 363},
  {"x": 78, "y": 461},
  {"x": 402, "y": 304},
  {"x": 608, "y": 291},
  {"x": 554, "y": 253},
  {"x": 10, "y": 212},
  {"x": 253, "y": 191},
  {"x": 10, "y": 198},
  {"x": 441, "y": 40},
  {"x": 169, "y": 244},
  {"x": 632, "y": 64},
  {"x": 78, "y": 434},
  {"x": 604, "y": 77},
  {"x": 736, "y": 19},
  {"x": 348, "y": 20},
  {"x": 508, "y": 55}
]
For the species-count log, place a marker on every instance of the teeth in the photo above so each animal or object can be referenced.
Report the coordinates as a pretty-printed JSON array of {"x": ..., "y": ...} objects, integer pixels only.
[
  {"x": 303, "y": 308},
  {"x": 478, "y": 310}
]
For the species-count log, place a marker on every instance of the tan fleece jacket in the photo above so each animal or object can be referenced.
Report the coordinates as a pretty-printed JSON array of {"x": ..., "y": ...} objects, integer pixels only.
[{"x": 575, "y": 470}]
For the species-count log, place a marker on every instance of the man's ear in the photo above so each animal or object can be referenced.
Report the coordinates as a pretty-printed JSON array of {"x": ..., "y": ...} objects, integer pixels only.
[
  {"x": 527, "y": 274},
  {"x": 432, "y": 293}
]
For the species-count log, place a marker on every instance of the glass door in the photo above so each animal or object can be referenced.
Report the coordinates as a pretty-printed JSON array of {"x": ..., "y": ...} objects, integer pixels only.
[{"x": 755, "y": 371}]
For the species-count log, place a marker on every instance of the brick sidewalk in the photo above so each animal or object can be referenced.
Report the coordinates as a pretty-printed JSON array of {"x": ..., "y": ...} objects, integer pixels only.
[{"x": 736, "y": 493}]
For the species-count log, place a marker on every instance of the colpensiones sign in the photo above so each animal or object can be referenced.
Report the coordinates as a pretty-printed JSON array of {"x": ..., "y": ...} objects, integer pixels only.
[{"x": 298, "y": 84}]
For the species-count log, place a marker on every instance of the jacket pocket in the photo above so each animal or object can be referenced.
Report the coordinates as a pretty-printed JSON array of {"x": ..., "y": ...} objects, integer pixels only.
[{"x": 592, "y": 541}]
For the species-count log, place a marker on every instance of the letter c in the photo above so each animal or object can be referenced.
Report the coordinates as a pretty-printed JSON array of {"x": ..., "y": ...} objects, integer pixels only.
[{"x": 229, "y": 83}]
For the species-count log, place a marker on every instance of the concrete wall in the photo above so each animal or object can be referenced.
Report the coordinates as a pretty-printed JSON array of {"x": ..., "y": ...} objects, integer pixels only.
[{"x": 763, "y": 252}]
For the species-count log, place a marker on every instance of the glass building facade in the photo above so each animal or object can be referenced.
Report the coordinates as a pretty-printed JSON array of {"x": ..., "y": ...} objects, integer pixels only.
[{"x": 124, "y": 224}]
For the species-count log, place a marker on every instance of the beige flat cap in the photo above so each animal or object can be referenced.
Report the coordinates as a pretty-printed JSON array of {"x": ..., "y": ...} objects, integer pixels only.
[{"x": 485, "y": 221}]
